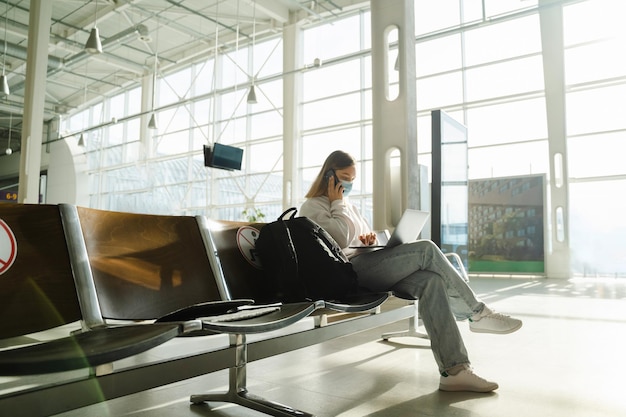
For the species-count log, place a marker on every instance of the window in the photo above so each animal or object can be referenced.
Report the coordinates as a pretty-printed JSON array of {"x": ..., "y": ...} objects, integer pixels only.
[
  {"x": 510, "y": 39},
  {"x": 332, "y": 40},
  {"x": 478, "y": 60}
]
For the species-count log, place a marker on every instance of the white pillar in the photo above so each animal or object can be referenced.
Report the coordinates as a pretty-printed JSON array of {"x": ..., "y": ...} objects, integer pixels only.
[
  {"x": 394, "y": 121},
  {"x": 34, "y": 100},
  {"x": 292, "y": 116},
  {"x": 557, "y": 260}
]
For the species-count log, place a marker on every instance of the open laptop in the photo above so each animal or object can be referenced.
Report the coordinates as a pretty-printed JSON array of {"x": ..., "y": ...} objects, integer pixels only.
[{"x": 408, "y": 229}]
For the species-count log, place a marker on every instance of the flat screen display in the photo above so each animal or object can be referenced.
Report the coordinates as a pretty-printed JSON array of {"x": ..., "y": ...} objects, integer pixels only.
[{"x": 223, "y": 157}]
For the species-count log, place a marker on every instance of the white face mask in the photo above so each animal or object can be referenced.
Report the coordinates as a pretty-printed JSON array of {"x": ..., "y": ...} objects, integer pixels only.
[{"x": 347, "y": 187}]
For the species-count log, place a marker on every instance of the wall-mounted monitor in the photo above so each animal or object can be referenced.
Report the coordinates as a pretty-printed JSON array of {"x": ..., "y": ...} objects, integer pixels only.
[{"x": 223, "y": 156}]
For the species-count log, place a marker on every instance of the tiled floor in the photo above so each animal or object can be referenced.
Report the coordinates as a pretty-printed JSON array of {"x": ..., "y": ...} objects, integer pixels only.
[{"x": 567, "y": 360}]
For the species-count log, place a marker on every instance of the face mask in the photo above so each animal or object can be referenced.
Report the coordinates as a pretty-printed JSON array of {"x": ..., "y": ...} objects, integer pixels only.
[{"x": 347, "y": 187}]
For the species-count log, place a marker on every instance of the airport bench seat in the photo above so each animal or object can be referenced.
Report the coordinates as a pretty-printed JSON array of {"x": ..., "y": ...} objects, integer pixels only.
[
  {"x": 38, "y": 294},
  {"x": 157, "y": 268}
]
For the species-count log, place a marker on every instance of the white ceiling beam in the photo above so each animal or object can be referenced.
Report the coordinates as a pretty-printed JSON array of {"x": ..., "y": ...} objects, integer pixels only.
[{"x": 272, "y": 8}]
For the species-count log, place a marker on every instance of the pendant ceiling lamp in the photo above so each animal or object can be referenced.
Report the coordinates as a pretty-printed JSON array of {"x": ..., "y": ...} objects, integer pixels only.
[
  {"x": 9, "y": 151},
  {"x": 94, "y": 45},
  {"x": 4, "y": 82},
  {"x": 81, "y": 139},
  {"x": 252, "y": 93},
  {"x": 153, "y": 124}
]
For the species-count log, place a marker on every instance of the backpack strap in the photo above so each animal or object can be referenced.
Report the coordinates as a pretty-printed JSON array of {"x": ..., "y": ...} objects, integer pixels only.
[{"x": 286, "y": 212}]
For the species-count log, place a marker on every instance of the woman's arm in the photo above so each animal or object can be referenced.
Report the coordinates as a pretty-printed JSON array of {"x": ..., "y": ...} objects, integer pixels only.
[{"x": 334, "y": 217}]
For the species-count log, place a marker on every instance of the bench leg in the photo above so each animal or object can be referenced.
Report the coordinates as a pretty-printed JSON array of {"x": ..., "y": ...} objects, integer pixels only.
[
  {"x": 237, "y": 392},
  {"x": 412, "y": 331}
]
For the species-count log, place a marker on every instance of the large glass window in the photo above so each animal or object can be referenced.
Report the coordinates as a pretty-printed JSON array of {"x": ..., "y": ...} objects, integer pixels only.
[
  {"x": 505, "y": 40},
  {"x": 596, "y": 110},
  {"x": 478, "y": 60},
  {"x": 332, "y": 111},
  {"x": 439, "y": 90},
  {"x": 501, "y": 7},
  {"x": 204, "y": 77},
  {"x": 593, "y": 20},
  {"x": 332, "y": 40},
  {"x": 174, "y": 87},
  {"x": 332, "y": 80},
  {"x": 597, "y": 155},
  {"x": 597, "y": 228},
  {"x": 316, "y": 147},
  {"x": 432, "y": 16},
  {"x": 447, "y": 50},
  {"x": 508, "y": 160},
  {"x": 235, "y": 68},
  {"x": 504, "y": 79},
  {"x": 595, "y": 77},
  {"x": 514, "y": 121}
]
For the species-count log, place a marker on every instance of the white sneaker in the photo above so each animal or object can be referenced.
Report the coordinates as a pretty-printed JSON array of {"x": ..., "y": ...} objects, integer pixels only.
[
  {"x": 489, "y": 321},
  {"x": 466, "y": 380}
]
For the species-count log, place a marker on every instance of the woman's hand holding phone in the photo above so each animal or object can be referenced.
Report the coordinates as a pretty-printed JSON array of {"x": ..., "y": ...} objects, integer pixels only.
[{"x": 335, "y": 189}]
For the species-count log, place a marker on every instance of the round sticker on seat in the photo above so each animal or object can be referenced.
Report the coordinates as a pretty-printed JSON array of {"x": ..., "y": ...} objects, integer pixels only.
[
  {"x": 8, "y": 247},
  {"x": 246, "y": 239}
]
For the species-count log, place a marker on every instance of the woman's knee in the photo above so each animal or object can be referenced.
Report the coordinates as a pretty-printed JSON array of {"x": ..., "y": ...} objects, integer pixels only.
[
  {"x": 424, "y": 244},
  {"x": 418, "y": 284}
]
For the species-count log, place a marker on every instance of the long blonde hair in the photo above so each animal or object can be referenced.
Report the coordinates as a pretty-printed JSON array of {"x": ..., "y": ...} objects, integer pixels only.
[{"x": 336, "y": 160}]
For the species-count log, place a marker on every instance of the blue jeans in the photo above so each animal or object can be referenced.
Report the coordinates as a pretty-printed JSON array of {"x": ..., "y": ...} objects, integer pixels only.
[{"x": 421, "y": 271}]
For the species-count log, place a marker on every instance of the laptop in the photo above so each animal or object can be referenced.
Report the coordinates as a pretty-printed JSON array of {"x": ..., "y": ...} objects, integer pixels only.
[{"x": 408, "y": 229}]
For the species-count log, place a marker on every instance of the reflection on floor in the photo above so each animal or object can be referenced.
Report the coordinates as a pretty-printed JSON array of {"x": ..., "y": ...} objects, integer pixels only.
[{"x": 565, "y": 361}]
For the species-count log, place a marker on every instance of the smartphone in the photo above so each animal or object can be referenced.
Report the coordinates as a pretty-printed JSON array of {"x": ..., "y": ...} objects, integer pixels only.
[{"x": 331, "y": 173}]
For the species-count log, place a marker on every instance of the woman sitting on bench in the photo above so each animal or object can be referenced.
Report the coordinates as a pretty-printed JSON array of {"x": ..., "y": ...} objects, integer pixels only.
[{"x": 419, "y": 269}]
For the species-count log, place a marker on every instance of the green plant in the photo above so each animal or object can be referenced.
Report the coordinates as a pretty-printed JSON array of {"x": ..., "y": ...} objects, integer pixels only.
[{"x": 253, "y": 215}]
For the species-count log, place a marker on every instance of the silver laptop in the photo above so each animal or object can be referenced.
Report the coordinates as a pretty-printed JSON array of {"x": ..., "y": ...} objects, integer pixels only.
[{"x": 408, "y": 229}]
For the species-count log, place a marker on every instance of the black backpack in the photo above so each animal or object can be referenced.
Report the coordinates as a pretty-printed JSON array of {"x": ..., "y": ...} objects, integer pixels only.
[{"x": 303, "y": 261}]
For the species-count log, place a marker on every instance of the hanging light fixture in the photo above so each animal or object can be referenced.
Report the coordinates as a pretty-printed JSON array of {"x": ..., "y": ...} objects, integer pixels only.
[
  {"x": 152, "y": 124},
  {"x": 81, "y": 138},
  {"x": 9, "y": 151},
  {"x": 94, "y": 45},
  {"x": 252, "y": 94},
  {"x": 4, "y": 82}
]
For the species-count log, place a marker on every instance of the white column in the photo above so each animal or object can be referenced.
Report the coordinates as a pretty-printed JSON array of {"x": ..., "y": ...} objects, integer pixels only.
[
  {"x": 34, "y": 100},
  {"x": 557, "y": 260},
  {"x": 292, "y": 116},
  {"x": 394, "y": 121}
]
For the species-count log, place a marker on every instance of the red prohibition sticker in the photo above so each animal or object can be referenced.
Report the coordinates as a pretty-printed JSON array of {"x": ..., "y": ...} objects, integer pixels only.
[
  {"x": 8, "y": 247},
  {"x": 246, "y": 238}
]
